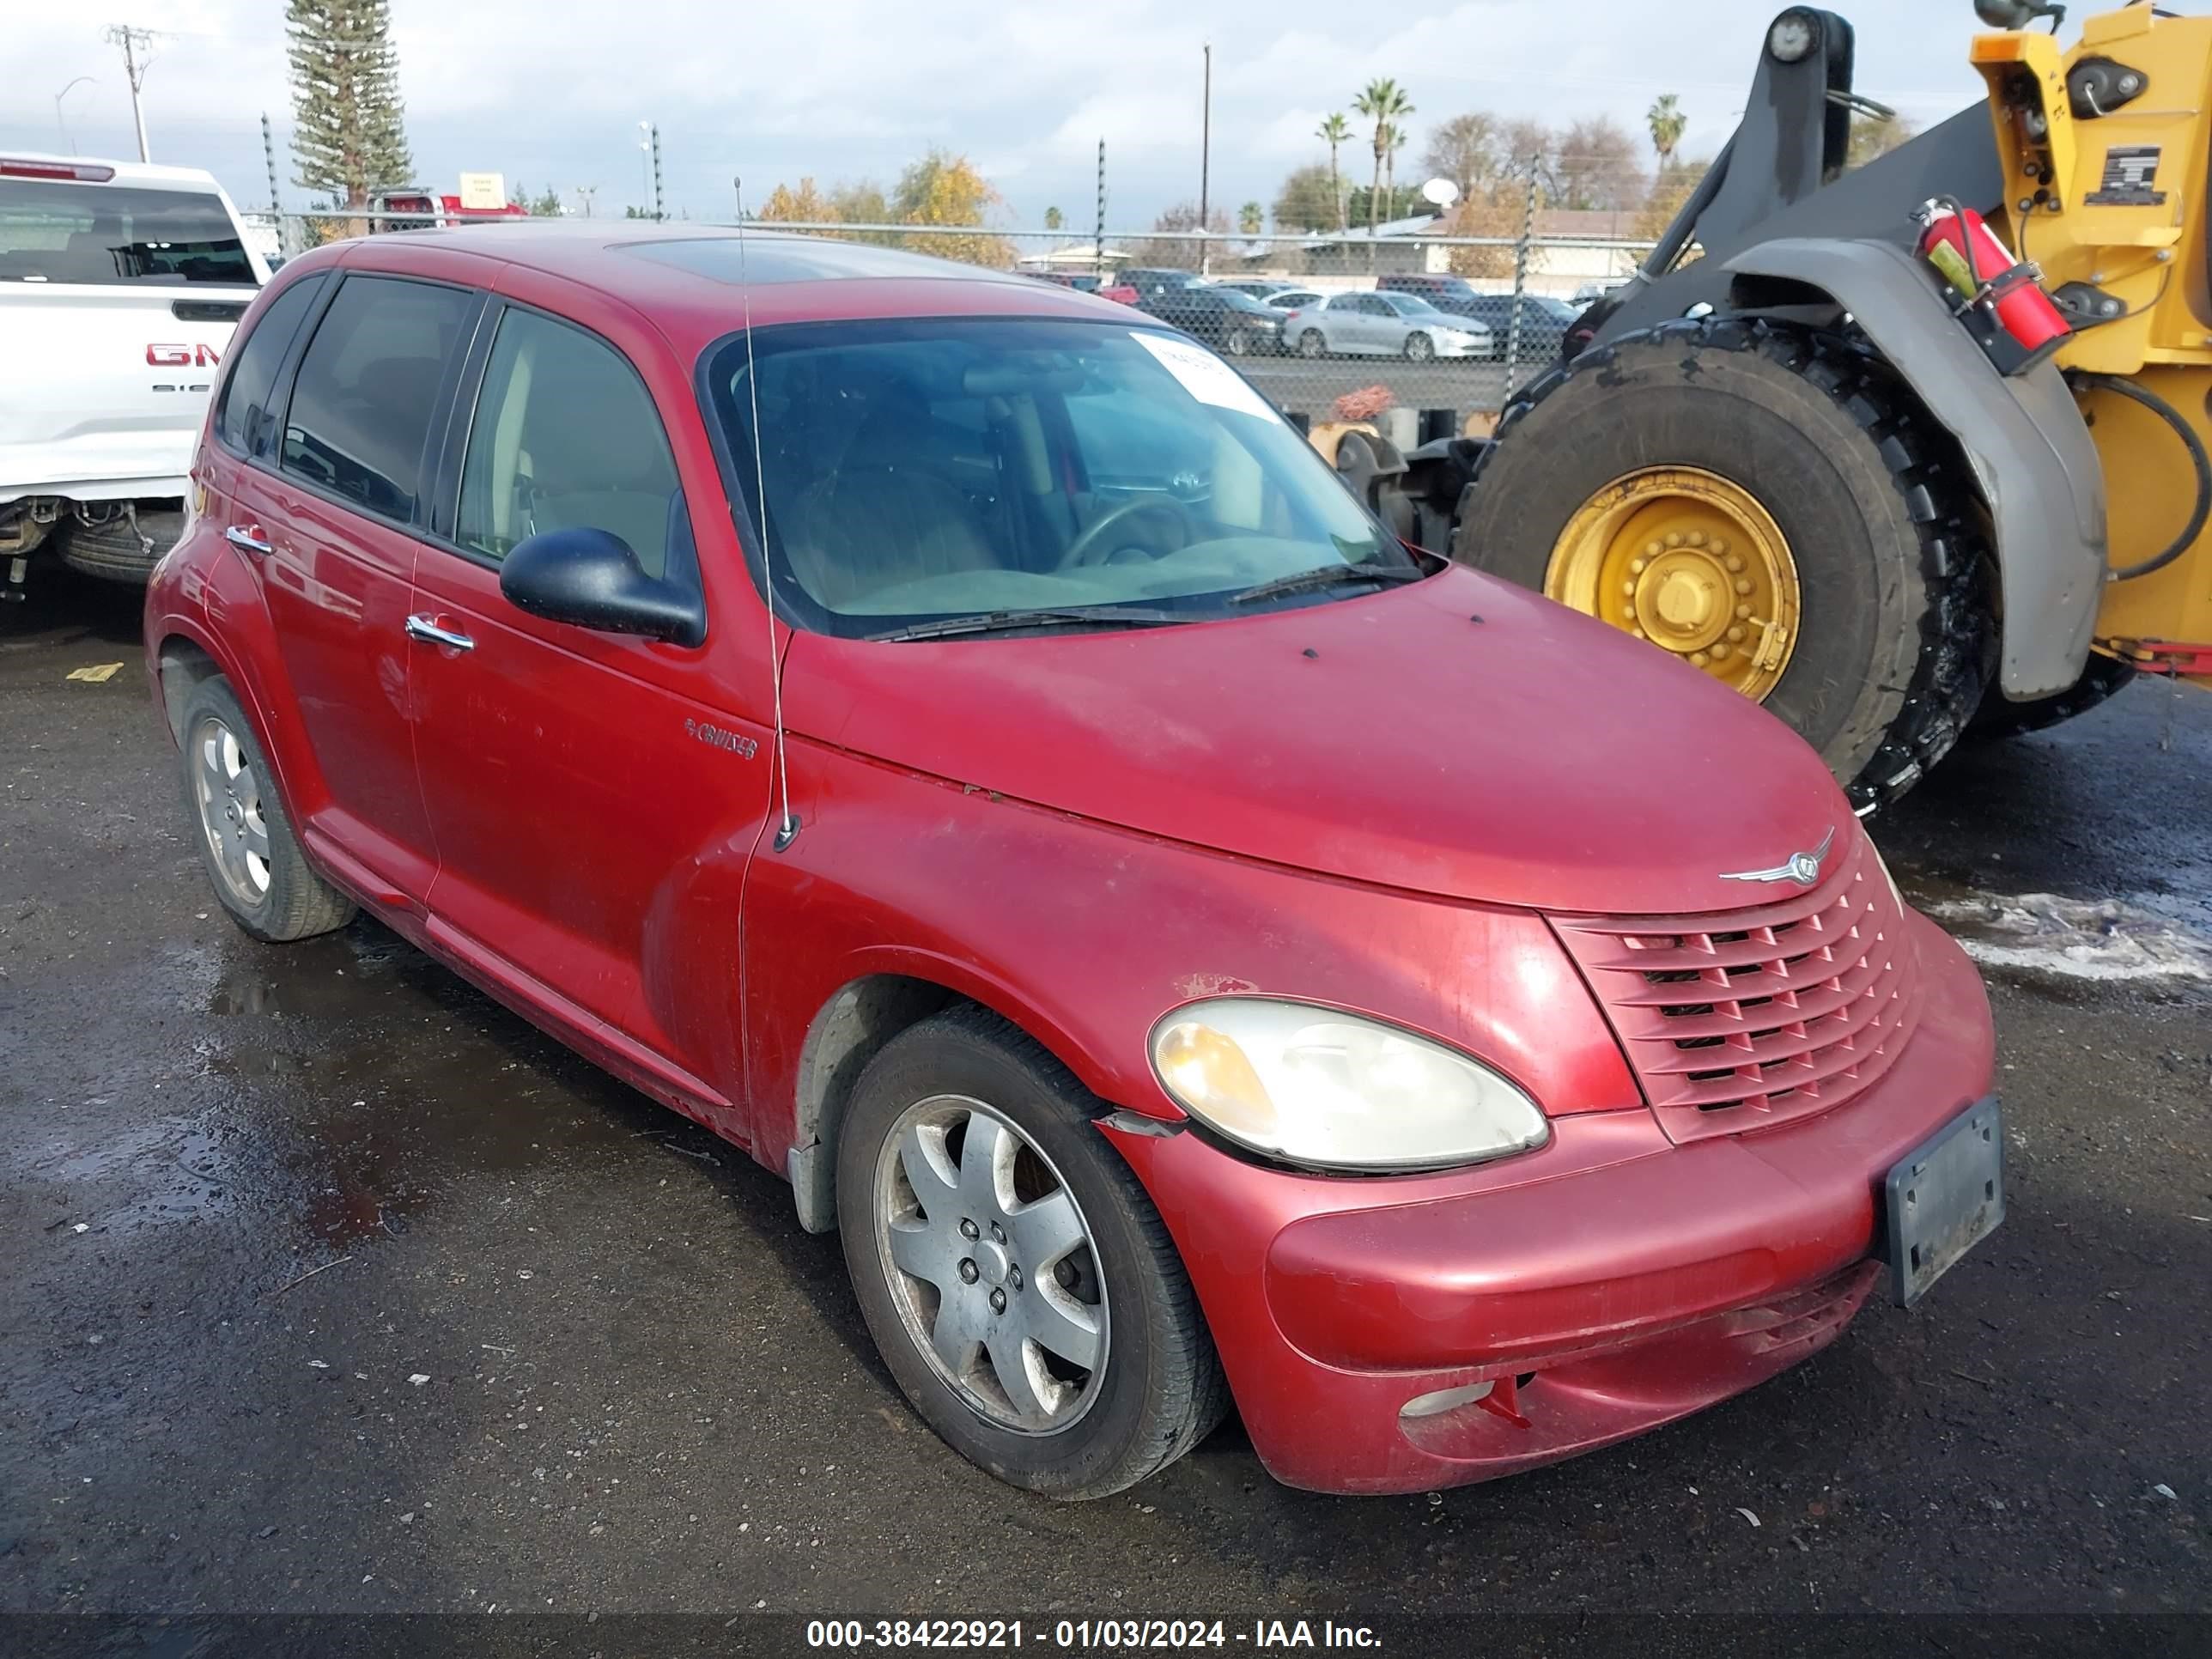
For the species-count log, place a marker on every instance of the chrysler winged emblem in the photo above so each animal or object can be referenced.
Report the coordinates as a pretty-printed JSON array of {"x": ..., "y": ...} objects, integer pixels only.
[{"x": 1803, "y": 868}]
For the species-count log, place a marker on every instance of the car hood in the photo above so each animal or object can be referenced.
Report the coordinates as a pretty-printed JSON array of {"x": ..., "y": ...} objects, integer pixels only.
[{"x": 1457, "y": 736}]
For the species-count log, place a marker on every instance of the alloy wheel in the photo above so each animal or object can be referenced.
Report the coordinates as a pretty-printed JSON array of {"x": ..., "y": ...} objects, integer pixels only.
[
  {"x": 991, "y": 1265},
  {"x": 229, "y": 799}
]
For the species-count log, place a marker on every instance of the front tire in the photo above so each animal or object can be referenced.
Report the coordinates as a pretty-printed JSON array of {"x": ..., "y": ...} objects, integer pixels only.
[
  {"x": 1017, "y": 1282},
  {"x": 1814, "y": 449},
  {"x": 247, "y": 846},
  {"x": 1419, "y": 348},
  {"x": 1239, "y": 342}
]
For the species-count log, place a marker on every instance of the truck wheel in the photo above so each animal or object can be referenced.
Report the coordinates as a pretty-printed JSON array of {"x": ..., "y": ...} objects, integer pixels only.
[
  {"x": 2102, "y": 677},
  {"x": 253, "y": 859},
  {"x": 112, "y": 551},
  {"x": 1017, "y": 1281},
  {"x": 1769, "y": 505}
]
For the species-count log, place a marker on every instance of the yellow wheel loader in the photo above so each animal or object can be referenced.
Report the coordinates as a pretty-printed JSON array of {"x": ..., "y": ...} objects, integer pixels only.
[{"x": 1811, "y": 450}]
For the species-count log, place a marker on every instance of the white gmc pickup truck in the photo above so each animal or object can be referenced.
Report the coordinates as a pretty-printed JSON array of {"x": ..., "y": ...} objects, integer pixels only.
[{"x": 120, "y": 286}]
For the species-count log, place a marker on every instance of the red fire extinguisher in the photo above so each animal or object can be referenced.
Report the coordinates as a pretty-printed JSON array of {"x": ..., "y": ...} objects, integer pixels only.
[{"x": 1982, "y": 270}]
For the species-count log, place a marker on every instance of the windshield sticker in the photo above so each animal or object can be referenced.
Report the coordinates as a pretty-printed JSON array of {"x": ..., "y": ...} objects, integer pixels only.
[{"x": 1204, "y": 375}]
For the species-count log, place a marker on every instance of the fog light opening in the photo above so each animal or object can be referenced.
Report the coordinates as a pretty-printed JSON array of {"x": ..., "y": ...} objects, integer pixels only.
[{"x": 1445, "y": 1399}]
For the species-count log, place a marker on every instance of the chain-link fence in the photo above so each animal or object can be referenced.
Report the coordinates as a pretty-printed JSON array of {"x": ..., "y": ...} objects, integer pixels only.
[{"x": 1328, "y": 327}]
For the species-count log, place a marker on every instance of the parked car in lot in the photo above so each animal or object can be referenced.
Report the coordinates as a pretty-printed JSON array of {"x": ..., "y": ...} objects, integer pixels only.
[
  {"x": 1544, "y": 320},
  {"x": 1149, "y": 280},
  {"x": 900, "y": 724},
  {"x": 1085, "y": 282},
  {"x": 1238, "y": 324},
  {"x": 1377, "y": 324},
  {"x": 119, "y": 286},
  {"x": 1252, "y": 288}
]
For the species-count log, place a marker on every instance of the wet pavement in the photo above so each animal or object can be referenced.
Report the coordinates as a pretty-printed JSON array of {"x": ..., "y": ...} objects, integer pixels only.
[{"x": 327, "y": 1286}]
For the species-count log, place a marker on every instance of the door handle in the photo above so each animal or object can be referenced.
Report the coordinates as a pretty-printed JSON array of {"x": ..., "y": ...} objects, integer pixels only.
[
  {"x": 426, "y": 629},
  {"x": 247, "y": 538}
]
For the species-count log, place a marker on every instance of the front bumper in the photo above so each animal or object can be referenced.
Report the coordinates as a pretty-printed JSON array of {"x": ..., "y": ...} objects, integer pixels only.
[{"x": 1609, "y": 1283}]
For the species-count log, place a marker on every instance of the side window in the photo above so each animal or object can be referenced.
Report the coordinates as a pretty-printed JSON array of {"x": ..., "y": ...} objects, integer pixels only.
[
  {"x": 565, "y": 438},
  {"x": 368, "y": 386},
  {"x": 239, "y": 417}
]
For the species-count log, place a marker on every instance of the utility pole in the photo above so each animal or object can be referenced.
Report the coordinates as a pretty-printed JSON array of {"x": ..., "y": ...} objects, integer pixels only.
[
  {"x": 134, "y": 41},
  {"x": 1521, "y": 273},
  {"x": 644, "y": 164},
  {"x": 269, "y": 161},
  {"x": 1098, "y": 237},
  {"x": 1205, "y": 160},
  {"x": 659, "y": 213}
]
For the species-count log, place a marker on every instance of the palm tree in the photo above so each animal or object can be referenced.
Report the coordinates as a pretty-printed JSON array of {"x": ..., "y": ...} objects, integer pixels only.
[
  {"x": 1334, "y": 130},
  {"x": 1381, "y": 101},
  {"x": 1251, "y": 218},
  {"x": 1666, "y": 122},
  {"x": 1053, "y": 219}
]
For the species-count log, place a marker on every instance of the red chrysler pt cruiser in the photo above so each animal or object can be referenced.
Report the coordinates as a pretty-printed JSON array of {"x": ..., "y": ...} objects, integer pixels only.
[{"x": 951, "y": 737}]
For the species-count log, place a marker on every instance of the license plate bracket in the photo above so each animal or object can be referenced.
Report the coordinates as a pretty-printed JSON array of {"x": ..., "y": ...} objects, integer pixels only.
[{"x": 1943, "y": 1198}]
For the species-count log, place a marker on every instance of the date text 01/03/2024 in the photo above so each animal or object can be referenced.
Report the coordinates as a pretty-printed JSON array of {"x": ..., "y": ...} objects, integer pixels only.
[{"x": 1083, "y": 1635}]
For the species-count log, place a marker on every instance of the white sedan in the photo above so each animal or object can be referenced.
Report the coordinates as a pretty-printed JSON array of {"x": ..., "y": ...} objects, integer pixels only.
[{"x": 1370, "y": 324}]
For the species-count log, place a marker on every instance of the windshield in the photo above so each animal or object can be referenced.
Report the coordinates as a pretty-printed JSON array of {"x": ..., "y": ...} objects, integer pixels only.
[
  {"x": 930, "y": 468},
  {"x": 1412, "y": 305},
  {"x": 61, "y": 231}
]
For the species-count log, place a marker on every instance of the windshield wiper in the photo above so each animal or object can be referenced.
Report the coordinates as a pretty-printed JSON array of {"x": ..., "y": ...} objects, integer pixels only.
[
  {"x": 1007, "y": 622},
  {"x": 1326, "y": 575}
]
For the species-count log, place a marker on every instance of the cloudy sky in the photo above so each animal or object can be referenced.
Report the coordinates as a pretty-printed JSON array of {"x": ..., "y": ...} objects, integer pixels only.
[{"x": 551, "y": 94}]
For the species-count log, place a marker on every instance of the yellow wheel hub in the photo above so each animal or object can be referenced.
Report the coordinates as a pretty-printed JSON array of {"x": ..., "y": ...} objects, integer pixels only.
[{"x": 1691, "y": 561}]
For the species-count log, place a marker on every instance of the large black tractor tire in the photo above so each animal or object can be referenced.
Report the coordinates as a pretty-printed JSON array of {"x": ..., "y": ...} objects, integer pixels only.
[
  {"x": 2102, "y": 677},
  {"x": 1896, "y": 630}
]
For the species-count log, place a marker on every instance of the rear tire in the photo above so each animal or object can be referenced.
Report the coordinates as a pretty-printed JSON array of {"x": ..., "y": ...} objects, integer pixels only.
[
  {"x": 1895, "y": 635},
  {"x": 1156, "y": 1388},
  {"x": 244, "y": 837},
  {"x": 113, "y": 549},
  {"x": 2101, "y": 677},
  {"x": 1312, "y": 344}
]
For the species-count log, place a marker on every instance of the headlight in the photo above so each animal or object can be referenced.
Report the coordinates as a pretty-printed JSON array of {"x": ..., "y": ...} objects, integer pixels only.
[
  {"x": 1314, "y": 1087},
  {"x": 1792, "y": 37}
]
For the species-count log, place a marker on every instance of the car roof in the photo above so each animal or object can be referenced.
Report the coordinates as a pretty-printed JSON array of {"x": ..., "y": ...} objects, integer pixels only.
[
  {"x": 693, "y": 282},
  {"x": 131, "y": 175}
]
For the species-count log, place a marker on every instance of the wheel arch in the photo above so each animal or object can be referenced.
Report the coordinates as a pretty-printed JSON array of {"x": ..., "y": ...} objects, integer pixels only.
[
  {"x": 2026, "y": 447},
  {"x": 850, "y": 1028}
]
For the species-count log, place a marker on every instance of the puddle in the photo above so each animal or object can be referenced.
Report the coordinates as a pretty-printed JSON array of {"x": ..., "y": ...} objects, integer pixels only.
[{"x": 2106, "y": 940}]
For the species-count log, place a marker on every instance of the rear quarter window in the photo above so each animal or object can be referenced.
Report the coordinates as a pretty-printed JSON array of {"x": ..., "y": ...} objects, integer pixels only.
[
  {"x": 241, "y": 417},
  {"x": 368, "y": 387}
]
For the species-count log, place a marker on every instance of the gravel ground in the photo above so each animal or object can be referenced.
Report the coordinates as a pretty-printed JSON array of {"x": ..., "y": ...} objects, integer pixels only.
[{"x": 327, "y": 1286}]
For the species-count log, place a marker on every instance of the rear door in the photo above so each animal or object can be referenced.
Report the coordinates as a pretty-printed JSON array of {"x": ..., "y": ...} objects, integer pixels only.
[
  {"x": 118, "y": 304},
  {"x": 331, "y": 515},
  {"x": 581, "y": 786},
  {"x": 1351, "y": 322}
]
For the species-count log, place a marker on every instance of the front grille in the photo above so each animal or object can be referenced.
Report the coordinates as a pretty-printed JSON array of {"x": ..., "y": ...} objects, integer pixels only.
[{"x": 1739, "y": 1019}]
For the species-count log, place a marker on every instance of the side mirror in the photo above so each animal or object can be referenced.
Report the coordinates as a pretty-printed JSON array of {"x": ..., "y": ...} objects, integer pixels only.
[{"x": 590, "y": 578}]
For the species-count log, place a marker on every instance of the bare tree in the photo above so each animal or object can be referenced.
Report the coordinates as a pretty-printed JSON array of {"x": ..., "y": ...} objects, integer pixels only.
[
  {"x": 1598, "y": 167},
  {"x": 1468, "y": 149}
]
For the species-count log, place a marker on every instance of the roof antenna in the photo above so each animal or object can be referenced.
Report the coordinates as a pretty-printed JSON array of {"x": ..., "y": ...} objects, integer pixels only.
[{"x": 787, "y": 829}]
